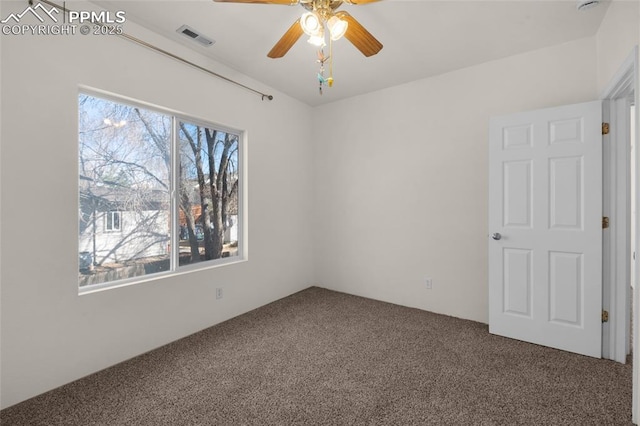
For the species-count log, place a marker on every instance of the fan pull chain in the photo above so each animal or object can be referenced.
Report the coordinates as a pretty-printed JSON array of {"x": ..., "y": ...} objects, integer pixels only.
[
  {"x": 321, "y": 60},
  {"x": 330, "y": 79}
]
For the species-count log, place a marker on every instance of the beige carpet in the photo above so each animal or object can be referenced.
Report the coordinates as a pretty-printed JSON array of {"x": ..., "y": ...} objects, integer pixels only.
[{"x": 324, "y": 358}]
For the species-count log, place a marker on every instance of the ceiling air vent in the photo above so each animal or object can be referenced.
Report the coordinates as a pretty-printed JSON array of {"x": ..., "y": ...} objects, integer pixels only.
[
  {"x": 587, "y": 4},
  {"x": 193, "y": 34}
]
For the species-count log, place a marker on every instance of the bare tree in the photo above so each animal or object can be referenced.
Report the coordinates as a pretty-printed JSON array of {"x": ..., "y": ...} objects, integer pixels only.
[
  {"x": 196, "y": 148},
  {"x": 218, "y": 184},
  {"x": 124, "y": 162},
  {"x": 215, "y": 169},
  {"x": 185, "y": 207}
]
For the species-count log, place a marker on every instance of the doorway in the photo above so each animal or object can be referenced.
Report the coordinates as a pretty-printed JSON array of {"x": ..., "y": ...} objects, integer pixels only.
[{"x": 620, "y": 184}]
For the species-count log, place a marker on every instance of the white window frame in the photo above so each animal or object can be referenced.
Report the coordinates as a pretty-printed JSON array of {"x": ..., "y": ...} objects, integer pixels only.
[
  {"x": 175, "y": 182},
  {"x": 175, "y": 269}
]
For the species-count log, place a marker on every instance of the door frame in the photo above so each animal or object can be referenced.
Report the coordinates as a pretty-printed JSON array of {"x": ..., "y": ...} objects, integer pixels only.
[{"x": 616, "y": 205}]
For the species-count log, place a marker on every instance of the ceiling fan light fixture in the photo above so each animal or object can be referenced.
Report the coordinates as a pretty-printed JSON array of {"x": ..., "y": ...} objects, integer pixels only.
[
  {"x": 317, "y": 40},
  {"x": 337, "y": 27},
  {"x": 311, "y": 24}
]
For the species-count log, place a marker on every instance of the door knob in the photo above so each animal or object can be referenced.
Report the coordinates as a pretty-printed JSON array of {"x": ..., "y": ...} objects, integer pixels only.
[{"x": 496, "y": 236}]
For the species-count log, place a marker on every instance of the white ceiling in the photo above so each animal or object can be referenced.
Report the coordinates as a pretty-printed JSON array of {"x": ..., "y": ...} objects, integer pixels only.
[{"x": 420, "y": 38}]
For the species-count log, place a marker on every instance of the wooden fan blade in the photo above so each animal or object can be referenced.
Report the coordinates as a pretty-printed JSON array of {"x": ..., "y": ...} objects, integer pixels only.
[
  {"x": 362, "y": 39},
  {"x": 360, "y": 1},
  {"x": 285, "y": 2},
  {"x": 288, "y": 39}
]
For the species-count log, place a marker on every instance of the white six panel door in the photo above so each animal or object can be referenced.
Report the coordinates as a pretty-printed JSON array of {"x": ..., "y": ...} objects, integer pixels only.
[{"x": 545, "y": 221}]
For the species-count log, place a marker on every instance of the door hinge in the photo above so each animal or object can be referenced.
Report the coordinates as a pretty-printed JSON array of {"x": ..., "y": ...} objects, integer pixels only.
[
  {"x": 605, "y": 128},
  {"x": 605, "y": 316},
  {"x": 605, "y": 222}
]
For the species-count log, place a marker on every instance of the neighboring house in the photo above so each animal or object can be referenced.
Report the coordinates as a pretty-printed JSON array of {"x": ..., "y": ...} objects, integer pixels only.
[
  {"x": 231, "y": 234},
  {"x": 119, "y": 224}
]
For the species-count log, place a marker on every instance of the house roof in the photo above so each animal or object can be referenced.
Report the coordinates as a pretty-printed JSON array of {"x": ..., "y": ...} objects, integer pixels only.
[{"x": 118, "y": 197}]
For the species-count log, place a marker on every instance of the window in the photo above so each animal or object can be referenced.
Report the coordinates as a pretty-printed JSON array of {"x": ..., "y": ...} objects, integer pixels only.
[
  {"x": 208, "y": 183},
  {"x": 112, "y": 221},
  {"x": 131, "y": 221}
]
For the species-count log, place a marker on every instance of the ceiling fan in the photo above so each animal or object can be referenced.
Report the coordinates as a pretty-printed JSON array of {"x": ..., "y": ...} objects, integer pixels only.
[{"x": 322, "y": 14}]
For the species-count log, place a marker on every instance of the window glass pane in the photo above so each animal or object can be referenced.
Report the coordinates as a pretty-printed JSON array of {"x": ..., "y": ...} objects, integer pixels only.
[
  {"x": 116, "y": 221},
  {"x": 124, "y": 180},
  {"x": 208, "y": 193}
]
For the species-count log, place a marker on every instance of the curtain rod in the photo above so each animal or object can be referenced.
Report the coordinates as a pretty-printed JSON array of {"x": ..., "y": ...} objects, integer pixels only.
[{"x": 166, "y": 53}]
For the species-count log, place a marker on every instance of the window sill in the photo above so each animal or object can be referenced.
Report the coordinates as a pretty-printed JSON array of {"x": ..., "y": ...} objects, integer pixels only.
[{"x": 97, "y": 288}]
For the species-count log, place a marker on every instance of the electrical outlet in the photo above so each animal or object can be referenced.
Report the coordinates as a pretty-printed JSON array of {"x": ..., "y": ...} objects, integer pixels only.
[
  {"x": 218, "y": 293},
  {"x": 428, "y": 283}
]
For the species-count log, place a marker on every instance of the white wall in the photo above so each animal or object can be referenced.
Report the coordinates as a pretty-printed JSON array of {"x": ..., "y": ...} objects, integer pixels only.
[
  {"x": 636, "y": 304},
  {"x": 401, "y": 177},
  {"x": 616, "y": 38},
  {"x": 2, "y": 9},
  {"x": 50, "y": 335}
]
